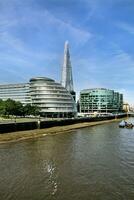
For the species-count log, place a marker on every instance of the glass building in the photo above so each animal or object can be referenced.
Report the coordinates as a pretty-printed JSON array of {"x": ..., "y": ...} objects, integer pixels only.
[
  {"x": 17, "y": 92},
  {"x": 100, "y": 100},
  {"x": 51, "y": 97}
]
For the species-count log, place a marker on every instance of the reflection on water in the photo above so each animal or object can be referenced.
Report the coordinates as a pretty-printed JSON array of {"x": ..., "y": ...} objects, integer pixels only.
[
  {"x": 52, "y": 178},
  {"x": 94, "y": 163}
]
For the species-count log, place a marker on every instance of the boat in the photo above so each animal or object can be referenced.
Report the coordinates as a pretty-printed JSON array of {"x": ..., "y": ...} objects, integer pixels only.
[{"x": 124, "y": 124}]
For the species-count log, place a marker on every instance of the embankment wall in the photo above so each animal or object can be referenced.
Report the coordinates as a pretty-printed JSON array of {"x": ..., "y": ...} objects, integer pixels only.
[{"x": 23, "y": 126}]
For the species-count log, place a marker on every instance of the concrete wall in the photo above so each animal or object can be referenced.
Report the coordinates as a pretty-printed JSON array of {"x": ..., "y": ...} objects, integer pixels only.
[
  {"x": 12, "y": 127},
  {"x": 23, "y": 126}
]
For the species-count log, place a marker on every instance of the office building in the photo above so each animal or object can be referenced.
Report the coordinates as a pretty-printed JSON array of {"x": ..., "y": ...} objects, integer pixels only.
[
  {"x": 52, "y": 99},
  {"x": 100, "y": 100},
  {"x": 17, "y": 92},
  {"x": 126, "y": 107}
]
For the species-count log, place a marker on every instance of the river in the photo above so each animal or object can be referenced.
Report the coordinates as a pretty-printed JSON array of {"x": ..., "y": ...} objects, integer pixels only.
[{"x": 94, "y": 163}]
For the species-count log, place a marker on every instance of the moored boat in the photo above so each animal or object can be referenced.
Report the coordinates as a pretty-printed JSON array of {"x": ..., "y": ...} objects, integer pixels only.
[{"x": 124, "y": 124}]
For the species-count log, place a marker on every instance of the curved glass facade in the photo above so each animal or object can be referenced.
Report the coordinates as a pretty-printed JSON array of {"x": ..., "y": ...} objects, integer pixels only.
[
  {"x": 51, "y": 97},
  {"x": 100, "y": 100}
]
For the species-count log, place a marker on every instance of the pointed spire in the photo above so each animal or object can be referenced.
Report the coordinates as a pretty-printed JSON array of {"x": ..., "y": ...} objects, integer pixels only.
[{"x": 67, "y": 78}]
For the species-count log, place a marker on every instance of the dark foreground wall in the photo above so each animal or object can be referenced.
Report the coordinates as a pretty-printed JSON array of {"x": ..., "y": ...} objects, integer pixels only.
[
  {"x": 12, "y": 127},
  {"x": 23, "y": 126}
]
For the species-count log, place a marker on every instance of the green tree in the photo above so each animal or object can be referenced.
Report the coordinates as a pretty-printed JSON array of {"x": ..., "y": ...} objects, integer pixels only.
[
  {"x": 10, "y": 107},
  {"x": 19, "y": 109},
  {"x": 31, "y": 110},
  {"x": 2, "y": 107}
]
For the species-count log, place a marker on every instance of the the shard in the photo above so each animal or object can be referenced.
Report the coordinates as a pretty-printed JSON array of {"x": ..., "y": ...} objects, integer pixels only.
[{"x": 67, "y": 78}]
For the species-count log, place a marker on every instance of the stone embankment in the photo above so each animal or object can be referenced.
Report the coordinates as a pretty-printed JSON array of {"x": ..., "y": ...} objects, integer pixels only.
[{"x": 25, "y": 130}]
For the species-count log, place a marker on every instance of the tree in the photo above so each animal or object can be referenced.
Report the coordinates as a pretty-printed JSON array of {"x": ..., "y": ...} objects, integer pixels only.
[
  {"x": 19, "y": 109},
  {"x": 10, "y": 107},
  {"x": 31, "y": 110},
  {"x": 2, "y": 107}
]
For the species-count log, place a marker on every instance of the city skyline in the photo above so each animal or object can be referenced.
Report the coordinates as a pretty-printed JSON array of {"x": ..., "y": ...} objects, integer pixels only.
[{"x": 100, "y": 33}]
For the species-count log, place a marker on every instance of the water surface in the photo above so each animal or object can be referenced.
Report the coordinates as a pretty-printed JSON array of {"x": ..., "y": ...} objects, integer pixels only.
[{"x": 94, "y": 163}]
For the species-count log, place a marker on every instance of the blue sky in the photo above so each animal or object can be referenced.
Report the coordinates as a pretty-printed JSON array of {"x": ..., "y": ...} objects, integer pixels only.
[{"x": 100, "y": 33}]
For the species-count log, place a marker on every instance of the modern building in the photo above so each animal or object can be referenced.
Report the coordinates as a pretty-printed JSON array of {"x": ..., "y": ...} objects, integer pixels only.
[
  {"x": 67, "y": 77},
  {"x": 51, "y": 97},
  {"x": 17, "y": 92},
  {"x": 126, "y": 107},
  {"x": 100, "y": 100}
]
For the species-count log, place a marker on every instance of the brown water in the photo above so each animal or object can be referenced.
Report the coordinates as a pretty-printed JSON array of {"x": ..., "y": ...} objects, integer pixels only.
[{"x": 95, "y": 163}]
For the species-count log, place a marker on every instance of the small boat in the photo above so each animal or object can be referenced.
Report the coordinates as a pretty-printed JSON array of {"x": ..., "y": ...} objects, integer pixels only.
[{"x": 122, "y": 124}]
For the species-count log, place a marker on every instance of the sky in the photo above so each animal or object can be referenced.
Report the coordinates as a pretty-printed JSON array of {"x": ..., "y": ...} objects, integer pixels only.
[{"x": 100, "y": 35}]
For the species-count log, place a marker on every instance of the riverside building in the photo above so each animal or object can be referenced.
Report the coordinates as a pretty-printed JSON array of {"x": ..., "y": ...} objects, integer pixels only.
[
  {"x": 51, "y": 97},
  {"x": 17, "y": 92},
  {"x": 100, "y": 100}
]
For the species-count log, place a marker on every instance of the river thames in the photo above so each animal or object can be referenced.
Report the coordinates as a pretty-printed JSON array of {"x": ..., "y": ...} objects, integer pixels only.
[{"x": 94, "y": 163}]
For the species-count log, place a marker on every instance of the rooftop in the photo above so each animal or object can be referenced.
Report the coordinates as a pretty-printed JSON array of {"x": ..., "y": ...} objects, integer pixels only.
[{"x": 41, "y": 78}]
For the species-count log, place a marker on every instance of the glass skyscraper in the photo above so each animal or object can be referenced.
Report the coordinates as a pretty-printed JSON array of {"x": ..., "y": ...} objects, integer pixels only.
[{"x": 67, "y": 77}]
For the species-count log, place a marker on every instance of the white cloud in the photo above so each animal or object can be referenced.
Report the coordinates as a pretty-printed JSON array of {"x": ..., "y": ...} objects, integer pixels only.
[
  {"x": 44, "y": 18},
  {"x": 40, "y": 18}
]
